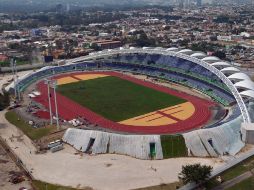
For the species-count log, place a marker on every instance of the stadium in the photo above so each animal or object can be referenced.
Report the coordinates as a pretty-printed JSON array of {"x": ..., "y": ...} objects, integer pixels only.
[{"x": 148, "y": 103}]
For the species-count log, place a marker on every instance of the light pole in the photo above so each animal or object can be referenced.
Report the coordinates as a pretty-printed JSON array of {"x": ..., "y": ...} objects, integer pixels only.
[
  {"x": 47, "y": 82},
  {"x": 54, "y": 86},
  {"x": 13, "y": 68},
  {"x": 18, "y": 89},
  {"x": 17, "y": 80}
]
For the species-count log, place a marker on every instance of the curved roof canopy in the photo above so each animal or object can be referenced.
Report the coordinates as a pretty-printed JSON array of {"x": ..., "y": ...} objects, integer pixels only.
[
  {"x": 198, "y": 54},
  {"x": 158, "y": 48},
  {"x": 246, "y": 84},
  {"x": 147, "y": 48},
  {"x": 230, "y": 70},
  {"x": 211, "y": 58},
  {"x": 210, "y": 62},
  {"x": 221, "y": 64},
  {"x": 248, "y": 93},
  {"x": 239, "y": 76},
  {"x": 172, "y": 49},
  {"x": 185, "y": 51}
]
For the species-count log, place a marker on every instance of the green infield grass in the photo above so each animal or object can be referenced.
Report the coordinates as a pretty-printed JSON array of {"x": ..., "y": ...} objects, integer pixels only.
[{"x": 117, "y": 99}]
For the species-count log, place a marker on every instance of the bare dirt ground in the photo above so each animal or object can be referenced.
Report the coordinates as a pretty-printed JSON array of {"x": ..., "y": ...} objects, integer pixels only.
[
  {"x": 99, "y": 172},
  {"x": 8, "y": 168}
]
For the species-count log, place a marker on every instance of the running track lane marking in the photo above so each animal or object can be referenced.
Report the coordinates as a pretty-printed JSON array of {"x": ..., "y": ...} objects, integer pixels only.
[{"x": 76, "y": 78}]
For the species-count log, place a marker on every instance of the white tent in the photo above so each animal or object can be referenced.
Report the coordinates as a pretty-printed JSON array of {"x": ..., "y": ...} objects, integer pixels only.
[
  {"x": 36, "y": 93},
  {"x": 31, "y": 95}
]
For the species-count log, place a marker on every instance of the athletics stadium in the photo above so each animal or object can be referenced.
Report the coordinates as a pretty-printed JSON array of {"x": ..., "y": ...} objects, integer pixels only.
[{"x": 148, "y": 103}]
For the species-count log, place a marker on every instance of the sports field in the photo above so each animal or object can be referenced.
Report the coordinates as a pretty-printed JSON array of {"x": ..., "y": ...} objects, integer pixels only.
[
  {"x": 120, "y": 102},
  {"x": 117, "y": 99}
]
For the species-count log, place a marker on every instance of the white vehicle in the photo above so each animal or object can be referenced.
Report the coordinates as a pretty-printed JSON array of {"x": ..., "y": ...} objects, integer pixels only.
[
  {"x": 57, "y": 148},
  {"x": 54, "y": 143}
]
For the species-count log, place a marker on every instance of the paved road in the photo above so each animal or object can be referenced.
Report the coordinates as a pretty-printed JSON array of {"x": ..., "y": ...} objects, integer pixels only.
[{"x": 233, "y": 181}]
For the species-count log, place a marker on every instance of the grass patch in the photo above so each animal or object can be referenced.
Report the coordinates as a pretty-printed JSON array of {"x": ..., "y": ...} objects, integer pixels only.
[
  {"x": 246, "y": 184},
  {"x": 20, "y": 62},
  {"x": 173, "y": 146},
  {"x": 27, "y": 129},
  {"x": 39, "y": 185},
  {"x": 211, "y": 183},
  {"x": 7, "y": 63},
  {"x": 233, "y": 172},
  {"x": 4, "y": 63},
  {"x": 239, "y": 169},
  {"x": 117, "y": 99}
]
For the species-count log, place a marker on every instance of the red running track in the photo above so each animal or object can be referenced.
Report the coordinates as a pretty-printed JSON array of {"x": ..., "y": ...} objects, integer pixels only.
[{"x": 69, "y": 109}]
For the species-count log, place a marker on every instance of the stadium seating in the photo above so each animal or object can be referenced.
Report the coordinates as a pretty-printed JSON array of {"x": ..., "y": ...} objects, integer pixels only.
[{"x": 166, "y": 67}]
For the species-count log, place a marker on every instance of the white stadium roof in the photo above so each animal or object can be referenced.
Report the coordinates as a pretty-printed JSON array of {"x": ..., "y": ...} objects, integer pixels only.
[
  {"x": 211, "y": 58},
  {"x": 211, "y": 63},
  {"x": 185, "y": 51},
  {"x": 221, "y": 64},
  {"x": 230, "y": 70},
  {"x": 172, "y": 49},
  {"x": 248, "y": 93},
  {"x": 239, "y": 76},
  {"x": 246, "y": 84},
  {"x": 198, "y": 54},
  {"x": 158, "y": 48}
]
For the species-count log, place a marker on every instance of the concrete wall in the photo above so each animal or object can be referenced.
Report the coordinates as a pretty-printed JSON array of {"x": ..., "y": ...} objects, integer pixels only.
[{"x": 137, "y": 146}]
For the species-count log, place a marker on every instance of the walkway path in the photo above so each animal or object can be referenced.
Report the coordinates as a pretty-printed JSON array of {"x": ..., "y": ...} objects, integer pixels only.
[{"x": 233, "y": 181}]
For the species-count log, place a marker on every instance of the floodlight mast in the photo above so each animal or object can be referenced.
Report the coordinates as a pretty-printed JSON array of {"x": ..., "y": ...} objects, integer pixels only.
[
  {"x": 17, "y": 80},
  {"x": 13, "y": 62},
  {"x": 13, "y": 65},
  {"x": 47, "y": 82},
  {"x": 54, "y": 86}
]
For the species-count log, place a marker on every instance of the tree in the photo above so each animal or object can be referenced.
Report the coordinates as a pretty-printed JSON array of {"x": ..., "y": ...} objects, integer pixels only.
[
  {"x": 220, "y": 54},
  {"x": 143, "y": 40},
  {"x": 195, "y": 173},
  {"x": 4, "y": 100},
  {"x": 95, "y": 47}
]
